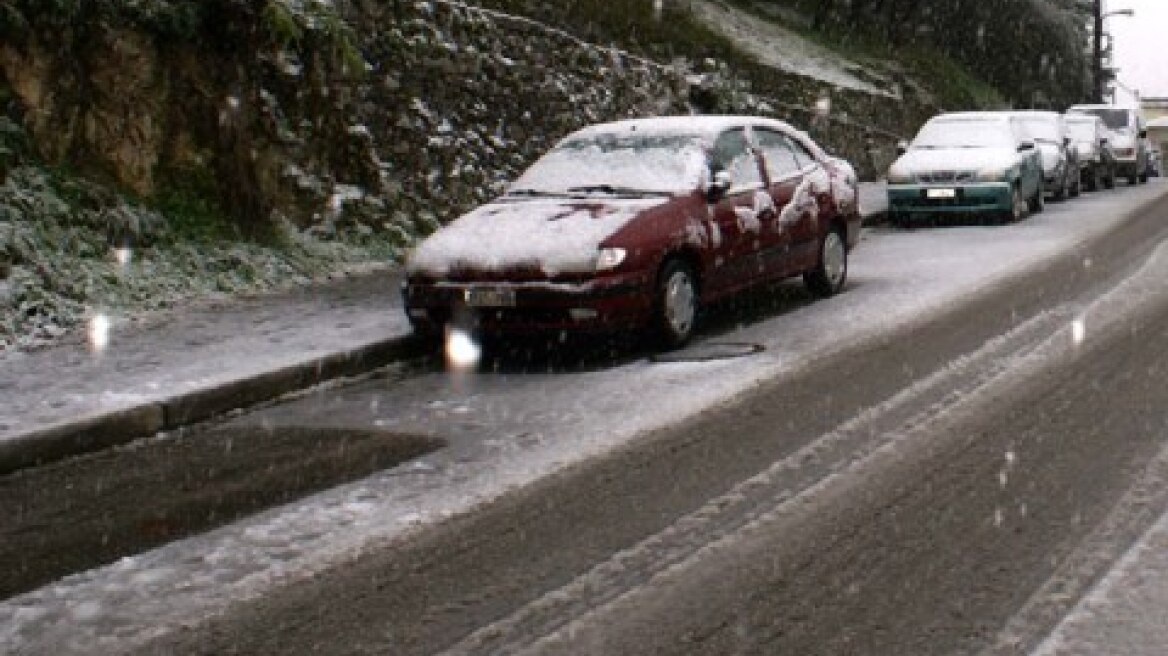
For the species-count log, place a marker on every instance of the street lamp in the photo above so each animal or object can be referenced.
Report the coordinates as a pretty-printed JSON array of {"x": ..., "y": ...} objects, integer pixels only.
[{"x": 1097, "y": 77}]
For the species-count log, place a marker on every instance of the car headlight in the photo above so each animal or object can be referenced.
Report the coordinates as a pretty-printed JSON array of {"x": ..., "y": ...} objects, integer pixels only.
[
  {"x": 610, "y": 258},
  {"x": 993, "y": 175},
  {"x": 900, "y": 176}
]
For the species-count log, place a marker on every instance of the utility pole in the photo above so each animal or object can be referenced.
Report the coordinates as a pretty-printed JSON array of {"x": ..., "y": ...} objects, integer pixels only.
[
  {"x": 1098, "y": 14},
  {"x": 1097, "y": 55}
]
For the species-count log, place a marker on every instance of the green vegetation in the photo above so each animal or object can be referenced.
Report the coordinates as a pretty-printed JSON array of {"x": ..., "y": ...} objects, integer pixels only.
[{"x": 292, "y": 24}]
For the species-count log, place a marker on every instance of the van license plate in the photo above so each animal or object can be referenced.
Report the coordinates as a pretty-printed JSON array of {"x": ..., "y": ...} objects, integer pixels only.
[{"x": 941, "y": 193}]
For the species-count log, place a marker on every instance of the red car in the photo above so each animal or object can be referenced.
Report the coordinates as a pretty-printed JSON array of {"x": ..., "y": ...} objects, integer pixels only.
[{"x": 637, "y": 224}]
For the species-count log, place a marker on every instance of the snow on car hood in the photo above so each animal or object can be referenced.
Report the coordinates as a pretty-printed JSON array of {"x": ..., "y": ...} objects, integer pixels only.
[
  {"x": 556, "y": 235},
  {"x": 954, "y": 159},
  {"x": 1052, "y": 156}
]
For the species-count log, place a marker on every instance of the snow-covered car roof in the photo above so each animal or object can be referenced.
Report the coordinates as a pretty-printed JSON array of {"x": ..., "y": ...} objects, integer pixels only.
[
  {"x": 989, "y": 117},
  {"x": 705, "y": 126}
]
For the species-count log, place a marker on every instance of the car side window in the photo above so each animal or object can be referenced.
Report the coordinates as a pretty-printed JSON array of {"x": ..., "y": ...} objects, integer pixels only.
[
  {"x": 779, "y": 154},
  {"x": 802, "y": 155},
  {"x": 732, "y": 153}
]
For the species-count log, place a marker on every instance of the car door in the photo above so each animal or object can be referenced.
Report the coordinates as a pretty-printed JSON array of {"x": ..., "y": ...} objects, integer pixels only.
[
  {"x": 736, "y": 225},
  {"x": 784, "y": 174},
  {"x": 809, "y": 211}
]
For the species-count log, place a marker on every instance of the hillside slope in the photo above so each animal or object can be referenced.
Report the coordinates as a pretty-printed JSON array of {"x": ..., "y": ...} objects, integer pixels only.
[{"x": 152, "y": 151}]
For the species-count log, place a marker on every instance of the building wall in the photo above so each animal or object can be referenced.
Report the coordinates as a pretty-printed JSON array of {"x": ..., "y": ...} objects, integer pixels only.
[{"x": 1154, "y": 108}]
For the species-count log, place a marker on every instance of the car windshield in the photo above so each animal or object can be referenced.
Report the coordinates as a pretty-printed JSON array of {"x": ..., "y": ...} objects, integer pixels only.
[
  {"x": 618, "y": 163},
  {"x": 1115, "y": 119},
  {"x": 963, "y": 134},
  {"x": 1041, "y": 129}
]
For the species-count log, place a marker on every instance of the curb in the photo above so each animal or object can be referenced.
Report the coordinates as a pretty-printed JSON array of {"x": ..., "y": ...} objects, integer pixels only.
[{"x": 102, "y": 431}]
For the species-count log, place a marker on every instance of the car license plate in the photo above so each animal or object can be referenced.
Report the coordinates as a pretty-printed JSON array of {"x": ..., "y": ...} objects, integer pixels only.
[
  {"x": 489, "y": 297},
  {"x": 941, "y": 193}
]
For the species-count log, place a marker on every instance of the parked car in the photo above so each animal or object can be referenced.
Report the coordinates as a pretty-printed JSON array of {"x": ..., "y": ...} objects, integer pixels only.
[
  {"x": 1090, "y": 138},
  {"x": 1060, "y": 162},
  {"x": 1129, "y": 138},
  {"x": 976, "y": 163},
  {"x": 639, "y": 224}
]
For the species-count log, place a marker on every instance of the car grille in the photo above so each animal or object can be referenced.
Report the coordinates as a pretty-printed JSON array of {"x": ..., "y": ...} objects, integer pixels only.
[
  {"x": 946, "y": 177},
  {"x": 960, "y": 201}
]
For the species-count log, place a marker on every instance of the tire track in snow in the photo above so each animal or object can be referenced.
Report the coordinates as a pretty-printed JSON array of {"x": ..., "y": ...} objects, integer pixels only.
[
  {"x": 1078, "y": 576},
  {"x": 784, "y": 483}
]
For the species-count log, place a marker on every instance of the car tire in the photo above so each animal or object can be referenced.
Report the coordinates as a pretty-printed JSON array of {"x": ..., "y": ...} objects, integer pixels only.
[
  {"x": 1077, "y": 186},
  {"x": 1109, "y": 180},
  {"x": 1035, "y": 204},
  {"x": 1060, "y": 193},
  {"x": 1144, "y": 177},
  {"x": 675, "y": 304},
  {"x": 1095, "y": 181},
  {"x": 1133, "y": 179},
  {"x": 831, "y": 271}
]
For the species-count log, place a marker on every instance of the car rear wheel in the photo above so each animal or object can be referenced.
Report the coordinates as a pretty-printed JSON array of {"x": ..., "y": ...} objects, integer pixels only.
[
  {"x": 1095, "y": 181},
  {"x": 831, "y": 272},
  {"x": 1109, "y": 179},
  {"x": 676, "y": 304},
  {"x": 1076, "y": 186}
]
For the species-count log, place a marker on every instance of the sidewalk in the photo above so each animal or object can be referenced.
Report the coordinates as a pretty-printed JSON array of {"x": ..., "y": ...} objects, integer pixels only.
[{"x": 74, "y": 398}]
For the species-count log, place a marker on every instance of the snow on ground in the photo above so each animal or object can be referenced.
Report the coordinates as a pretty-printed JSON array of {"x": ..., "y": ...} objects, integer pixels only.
[
  {"x": 777, "y": 46},
  {"x": 506, "y": 430},
  {"x": 1127, "y": 613}
]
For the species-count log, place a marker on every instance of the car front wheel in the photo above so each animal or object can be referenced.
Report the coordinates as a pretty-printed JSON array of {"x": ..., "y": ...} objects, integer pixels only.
[
  {"x": 676, "y": 304},
  {"x": 831, "y": 272}
]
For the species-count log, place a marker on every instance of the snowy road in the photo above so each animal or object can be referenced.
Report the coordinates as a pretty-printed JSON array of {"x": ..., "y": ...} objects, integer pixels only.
[{"x": 893, "y": 453}]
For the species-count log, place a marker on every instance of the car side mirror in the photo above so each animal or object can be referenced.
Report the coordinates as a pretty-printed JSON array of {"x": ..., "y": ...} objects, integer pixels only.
[
  {"x": 1104, "y": 141},
  {"x": 1025, "y": 146},
  {"x": 1143, "y": 134},
  {"x": 1066, "y": 141},
  {"x": 719, "y": 186},
  {"x": 901, "y": 147}
]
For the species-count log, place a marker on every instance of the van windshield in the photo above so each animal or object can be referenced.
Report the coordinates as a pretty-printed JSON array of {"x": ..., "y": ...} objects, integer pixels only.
[{"x": 1116, "y": 119}]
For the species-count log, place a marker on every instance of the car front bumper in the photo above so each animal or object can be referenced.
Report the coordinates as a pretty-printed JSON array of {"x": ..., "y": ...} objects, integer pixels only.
[
  {"x": 606, "y": 304},
  {"x": 967, "y": 198}
]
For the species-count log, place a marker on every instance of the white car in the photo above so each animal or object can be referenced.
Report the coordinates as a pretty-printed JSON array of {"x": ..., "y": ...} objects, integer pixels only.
[{"x": 1091, "y": 140}]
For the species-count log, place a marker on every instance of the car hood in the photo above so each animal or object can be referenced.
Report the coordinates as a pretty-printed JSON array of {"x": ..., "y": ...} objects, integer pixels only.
[
  {"x": 955, "y": 159},
  {"x": 1052, "y": 156},
  {"x": 551, "y": 236}
]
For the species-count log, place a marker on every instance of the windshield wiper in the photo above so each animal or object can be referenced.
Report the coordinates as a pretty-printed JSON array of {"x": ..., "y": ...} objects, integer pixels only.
[
  {"x": 536, "y": 193},
  {"x": 613, "y": 190}
]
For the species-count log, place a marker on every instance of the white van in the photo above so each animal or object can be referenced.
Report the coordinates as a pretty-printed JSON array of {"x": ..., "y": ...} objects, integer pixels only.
[{"x": 1129, "y": 138}]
